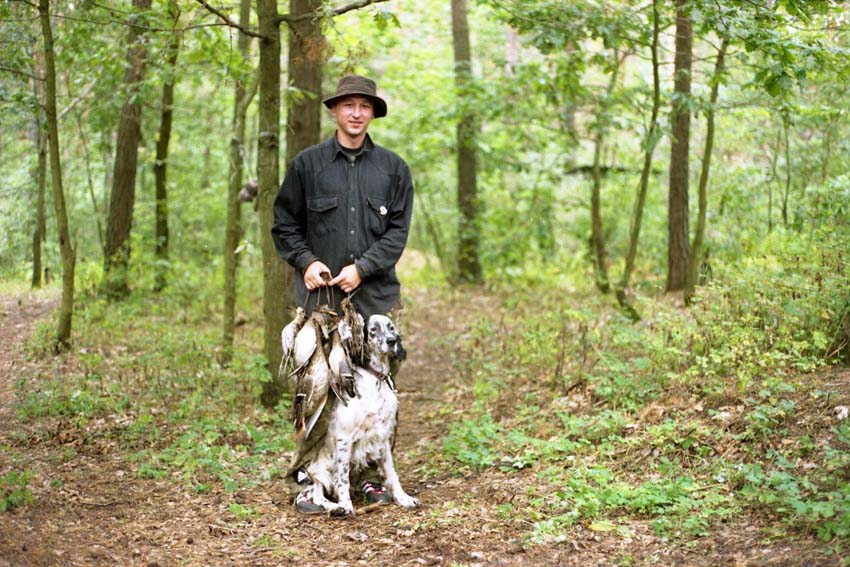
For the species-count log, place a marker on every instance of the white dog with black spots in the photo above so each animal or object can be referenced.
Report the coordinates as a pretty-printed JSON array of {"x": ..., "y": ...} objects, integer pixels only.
[{"x": 360, "y": 432}]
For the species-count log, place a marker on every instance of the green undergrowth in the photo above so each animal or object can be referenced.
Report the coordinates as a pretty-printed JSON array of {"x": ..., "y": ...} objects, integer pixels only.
[
  {"x": 686, "y": 419},
  {"x": 13, "y": 489},
  {"x": 147, "y": 372}
]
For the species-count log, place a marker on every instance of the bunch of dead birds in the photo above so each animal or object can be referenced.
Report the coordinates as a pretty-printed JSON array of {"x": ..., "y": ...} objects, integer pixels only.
[{"x": 319, "y": 354}]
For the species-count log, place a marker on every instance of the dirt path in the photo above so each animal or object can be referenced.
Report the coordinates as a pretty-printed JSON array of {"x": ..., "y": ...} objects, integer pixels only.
[
  {"x": 17, "y": 315},
  {"x": 90, "y": 510}
]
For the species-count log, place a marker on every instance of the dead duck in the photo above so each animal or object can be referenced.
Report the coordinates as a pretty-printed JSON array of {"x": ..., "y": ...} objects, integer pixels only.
[{"x": 287, "y": 341}]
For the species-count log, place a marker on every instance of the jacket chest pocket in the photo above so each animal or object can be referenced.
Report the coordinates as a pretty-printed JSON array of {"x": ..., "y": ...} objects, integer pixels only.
[
  {"x": 377, "y": 215},
  {"x": 321, "y": 215}
]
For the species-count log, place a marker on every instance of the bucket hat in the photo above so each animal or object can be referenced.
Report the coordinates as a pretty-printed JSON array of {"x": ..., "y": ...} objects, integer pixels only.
[{"x": 358, "y": 85}]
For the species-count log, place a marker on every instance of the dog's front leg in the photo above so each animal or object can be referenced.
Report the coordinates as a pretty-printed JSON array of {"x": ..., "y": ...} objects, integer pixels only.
[
  {"x": 391, "y": 480},
  {"x": 317, "y": 494},
  {"x": 342, "y": 456}
]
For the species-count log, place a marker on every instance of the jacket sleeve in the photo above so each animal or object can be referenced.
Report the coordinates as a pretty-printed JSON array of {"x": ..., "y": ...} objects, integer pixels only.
[
  {"x": 386, "y": 251},
  {"x": 289, "y": 230}
]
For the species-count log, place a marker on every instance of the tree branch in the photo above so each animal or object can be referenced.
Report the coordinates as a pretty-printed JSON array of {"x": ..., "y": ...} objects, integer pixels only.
[
  {"x": 335, "y": 12},
  {"x": 226, "y": 19},
  {"x": 355, "y": 6},
  {"x": 21, "y": 73},
  {"x": 86, "y": 90}
]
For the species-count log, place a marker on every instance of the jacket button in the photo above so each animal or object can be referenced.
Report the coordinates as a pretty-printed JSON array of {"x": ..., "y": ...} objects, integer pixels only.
[{"x": 352, "y": 232}]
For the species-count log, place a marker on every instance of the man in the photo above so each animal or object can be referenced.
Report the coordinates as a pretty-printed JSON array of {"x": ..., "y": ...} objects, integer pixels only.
[{"x": 342, "y": 217}]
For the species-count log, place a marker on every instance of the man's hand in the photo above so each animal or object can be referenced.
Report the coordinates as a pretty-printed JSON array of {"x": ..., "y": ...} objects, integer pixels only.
[
  {"x": 348, "y": 279},
  {"x": 316, "y": 275}
]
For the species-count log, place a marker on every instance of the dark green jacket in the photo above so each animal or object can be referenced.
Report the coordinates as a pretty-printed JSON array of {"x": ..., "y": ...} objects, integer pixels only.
[{"x": 343, "y": 210}]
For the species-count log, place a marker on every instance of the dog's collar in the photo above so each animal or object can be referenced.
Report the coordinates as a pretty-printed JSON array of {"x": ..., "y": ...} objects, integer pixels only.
[{"x": 382, "y": 376}]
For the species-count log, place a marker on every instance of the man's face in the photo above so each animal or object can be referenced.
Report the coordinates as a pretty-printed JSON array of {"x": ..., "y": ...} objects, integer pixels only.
[{"x": 353, "y": 114}]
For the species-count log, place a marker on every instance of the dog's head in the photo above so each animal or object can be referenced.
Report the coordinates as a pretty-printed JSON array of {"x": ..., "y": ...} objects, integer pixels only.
[{"x": 383, "y": 340}]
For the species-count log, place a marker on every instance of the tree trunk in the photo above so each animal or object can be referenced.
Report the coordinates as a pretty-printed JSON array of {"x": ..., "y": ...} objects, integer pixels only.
[
  {"x": 161, "y": 163},
  {"x": 699, "y": 235},
  {"x": 306, "y": 57},
  {"x": 786, "y": 193},
  {"x": 119, "y": 223},
  {"x": 431, "y": 228},
  {"x": 774, "y": 176},
  {"x": 40, "y": 173},
  {"x": 649, "y": 145},
  {"x": 469, "y": 266},
  {"x": 512, "y": 45},
  {"x": 597, "y": 237},
  {"x": 276, "y": 275},
  {"x": 83, "y": 139},
  {"x": 677, "y": 203},
  {"x": 827, "y": 151},
  {"x": 38, "y": 235},
  {"x": 66, "y": 310},
  {"x": 95, "y": 206},
  {"x": 233, "y": 232},
  {"x": 213, "y": 124}
]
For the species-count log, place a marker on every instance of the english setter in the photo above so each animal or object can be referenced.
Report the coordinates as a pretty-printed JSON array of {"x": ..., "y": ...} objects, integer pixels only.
[{"x": 360, "y": 431}]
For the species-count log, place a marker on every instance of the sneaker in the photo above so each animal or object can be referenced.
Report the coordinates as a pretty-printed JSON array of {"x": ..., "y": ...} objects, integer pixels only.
[
  {"x": 374, "y": 493},
  {"x": 306, "y": 506}
]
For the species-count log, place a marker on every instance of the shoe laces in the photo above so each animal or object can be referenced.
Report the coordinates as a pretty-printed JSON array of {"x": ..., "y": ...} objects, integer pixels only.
[{"x": 369, "y": 487}]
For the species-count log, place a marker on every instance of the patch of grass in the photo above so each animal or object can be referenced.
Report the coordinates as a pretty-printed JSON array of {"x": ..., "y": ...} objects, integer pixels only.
[
  {"x": 474, "y": 442},
  {"x": 242, "y": 513},
  {"x": 71, "y": 396},
  {"x": 683, "y": 419},
  {"x": 42, "y": 340},
  {"x": 221, "y": 451},
  {"x": 149, "y": 367},
  {"x": 815, "y": 496},
  {"x": 678, "y": 504},
  {"x": 14, "y": 491}
]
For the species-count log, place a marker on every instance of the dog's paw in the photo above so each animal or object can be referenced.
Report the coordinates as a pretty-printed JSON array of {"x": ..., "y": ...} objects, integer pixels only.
[
  {"x": 342, "y": 512},
  {"x": 407, "y": 501}
]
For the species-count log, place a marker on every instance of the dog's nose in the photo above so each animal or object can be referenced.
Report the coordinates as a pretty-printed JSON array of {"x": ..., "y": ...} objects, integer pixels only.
[{"x": 391, "y": 341}]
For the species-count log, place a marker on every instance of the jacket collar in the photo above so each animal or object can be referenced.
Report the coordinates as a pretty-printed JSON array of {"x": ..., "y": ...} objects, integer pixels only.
[{"x": 336, "y": 148}]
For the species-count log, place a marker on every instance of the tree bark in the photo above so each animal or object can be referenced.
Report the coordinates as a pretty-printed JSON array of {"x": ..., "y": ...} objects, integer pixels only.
[
  {"x": 95, "y": 206},
  {"x": 512, "y": 45},
  {"x": 233, "y": 232},
  {"x": 432, "y": 229},
  {"x": 40, "y": 173},
  {"x": 827, "y": 151},
  {"x": 275, "y": 273},
  {"x": 469, "y": 266},
  {"x": 160, "y": 167},
  {"x": 786, "y": 126},
  {"x": 66, "y": 309},
  {"x": 306, "y": 57},
  {"x": 696, "y": 255},
  {"x": 83, "y": 139},
  {"x": 678, "y": 245},
  {"x": 122, "y": 198},
  {"x": 774, "y": 176},
  {"x": 38, "y": 235},
  {"x": 649, "y": 149},
  {"x": 597, "y": 236}
]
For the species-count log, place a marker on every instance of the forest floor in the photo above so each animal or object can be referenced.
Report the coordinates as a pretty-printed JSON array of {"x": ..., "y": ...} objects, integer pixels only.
[{"x": 88, "y": 507}]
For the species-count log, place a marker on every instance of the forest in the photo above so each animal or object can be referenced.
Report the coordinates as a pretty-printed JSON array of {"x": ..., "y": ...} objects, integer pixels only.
[{"x": 626, "y": 292}]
